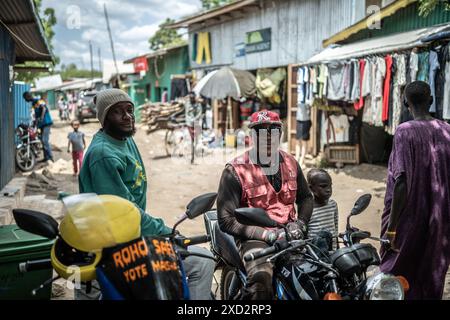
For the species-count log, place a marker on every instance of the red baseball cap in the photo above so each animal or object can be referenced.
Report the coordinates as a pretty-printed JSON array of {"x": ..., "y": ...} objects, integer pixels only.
[{"x": 264, "y": 117}]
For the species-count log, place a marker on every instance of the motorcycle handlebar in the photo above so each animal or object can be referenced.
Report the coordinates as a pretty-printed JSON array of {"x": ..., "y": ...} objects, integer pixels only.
[
  {"x": 192, "y": 241},
  {"x": 259, "y": 254},
  {"x": 361, "y": 234},
  {"x": 35, "y": 265}
]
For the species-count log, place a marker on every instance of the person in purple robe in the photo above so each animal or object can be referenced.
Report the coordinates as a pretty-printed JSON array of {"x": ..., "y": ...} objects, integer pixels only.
[{"x": 416, "y": 218}]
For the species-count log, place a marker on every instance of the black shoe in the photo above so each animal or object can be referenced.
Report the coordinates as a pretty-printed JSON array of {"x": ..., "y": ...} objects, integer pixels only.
[{"x": 43, "y": 160}]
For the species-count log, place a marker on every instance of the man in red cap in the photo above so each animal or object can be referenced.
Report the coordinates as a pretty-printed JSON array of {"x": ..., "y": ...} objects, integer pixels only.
[{"x": 268, "y": 178}]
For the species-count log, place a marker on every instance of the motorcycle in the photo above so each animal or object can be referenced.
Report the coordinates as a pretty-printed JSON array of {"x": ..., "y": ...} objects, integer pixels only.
[
  {"x": 29, "y": 148},
  {"x": 308, "y": 269},
  {"x": 143, "y": 268}
]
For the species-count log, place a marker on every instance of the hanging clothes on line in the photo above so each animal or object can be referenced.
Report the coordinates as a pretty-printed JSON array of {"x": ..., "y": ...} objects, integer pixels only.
[
  {"x": 413, "y": 65},
  {"x": 440, "y": 81},
  {"x": 337, "y": 73},
  {"x": 424, "y": 66},
  {"x": 356, "y": 83},
  {"x": 379, "y": 72},
  {"x": 359, "y": 104},
  {"x": 335, "y": 129},
  {"x": 375, "y": 84},
  {"x": 397, "y": 93},
  {"x": 312, "y": 80},
  {"x": 348, "y": 79},
  {"x": 446, "y": 99},
  {"x": 434, "y": 67},
  {"x": 322, "y": 81},
  {"x": 301, "y": 84},
  {"x": 303, "y": 88},
  {"x": 386, "y": 91}
]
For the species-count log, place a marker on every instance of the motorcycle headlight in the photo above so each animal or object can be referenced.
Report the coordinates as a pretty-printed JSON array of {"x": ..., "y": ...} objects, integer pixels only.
[{"x": 384, "y": 287}]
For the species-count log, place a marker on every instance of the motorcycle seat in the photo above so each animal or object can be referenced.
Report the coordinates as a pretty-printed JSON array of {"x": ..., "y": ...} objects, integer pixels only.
[{"x": 222, "y": 243}]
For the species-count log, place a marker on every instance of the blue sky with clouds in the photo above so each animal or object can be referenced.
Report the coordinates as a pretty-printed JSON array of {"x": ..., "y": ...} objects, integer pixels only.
[{"x": 132, "y": 23}]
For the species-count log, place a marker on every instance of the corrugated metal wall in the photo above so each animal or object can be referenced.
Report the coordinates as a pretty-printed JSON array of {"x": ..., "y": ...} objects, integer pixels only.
[
  {"x": 404, "y": 20},
  {"x": 7, "y": 165},
  {"x": 298, "y": 28},
  {"x": 22, "y": 108}
]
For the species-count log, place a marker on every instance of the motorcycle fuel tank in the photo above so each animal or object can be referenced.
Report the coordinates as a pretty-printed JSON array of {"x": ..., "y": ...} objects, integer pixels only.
[{"x": 297, "y": 278}]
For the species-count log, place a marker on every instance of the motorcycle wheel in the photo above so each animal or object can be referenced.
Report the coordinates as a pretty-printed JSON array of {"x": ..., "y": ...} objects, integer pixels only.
[
  {"x": 24, "y": 161},
  {"x": 226, "y": 277}
]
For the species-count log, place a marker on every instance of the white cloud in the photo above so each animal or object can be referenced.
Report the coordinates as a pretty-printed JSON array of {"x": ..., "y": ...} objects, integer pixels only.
[
  {"x": 138, "y": 32},
  {"x": 132, "y": 22}
]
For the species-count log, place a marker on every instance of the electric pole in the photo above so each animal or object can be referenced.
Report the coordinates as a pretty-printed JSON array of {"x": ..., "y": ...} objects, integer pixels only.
[
  {"x": 99, "y": 60},
  {"x": 92, "y": 60},
  {"x": 112, "y": 44}
]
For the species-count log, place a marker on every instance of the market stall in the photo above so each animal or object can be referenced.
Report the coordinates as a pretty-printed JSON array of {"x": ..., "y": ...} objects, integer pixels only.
[{"x": 353, "y": 93}]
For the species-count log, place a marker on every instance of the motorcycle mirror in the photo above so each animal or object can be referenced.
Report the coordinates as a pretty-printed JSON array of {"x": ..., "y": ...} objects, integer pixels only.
[
  {"x": 255, "y": 217},
  {"x": 36, "y": 222},
  {"x": 361, "y": 204},
  {"x": 200, "y": 205}
]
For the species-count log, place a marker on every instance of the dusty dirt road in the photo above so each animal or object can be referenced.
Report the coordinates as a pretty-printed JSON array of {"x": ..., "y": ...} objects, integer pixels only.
[{"x": 173, "y": 183}]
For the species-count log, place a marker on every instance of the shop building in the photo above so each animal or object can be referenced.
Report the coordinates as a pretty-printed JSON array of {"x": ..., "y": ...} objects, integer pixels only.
[
  {"x": 265, "y": 37},
  {"x": 159, "y": 72},
  {"x": 354, "y": 88},
  {"x": 20, "y": 24}
]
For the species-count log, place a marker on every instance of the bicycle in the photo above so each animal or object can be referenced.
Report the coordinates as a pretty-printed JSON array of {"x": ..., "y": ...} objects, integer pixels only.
[{"x": 180, "y": 140}]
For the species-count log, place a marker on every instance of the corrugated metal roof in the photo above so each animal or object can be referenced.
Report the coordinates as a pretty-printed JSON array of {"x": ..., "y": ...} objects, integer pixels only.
[
  {"x": 214, "y": 13},
  {"x": 404, "y": 20},
  {"x": 21, "y": 18},
  {"x": 364, "y": 23},
  {"x": 397, "y": 42}
]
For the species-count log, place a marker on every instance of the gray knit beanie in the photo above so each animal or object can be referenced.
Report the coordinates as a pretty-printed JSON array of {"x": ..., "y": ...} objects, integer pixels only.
[{"x": 105, "y": 99}]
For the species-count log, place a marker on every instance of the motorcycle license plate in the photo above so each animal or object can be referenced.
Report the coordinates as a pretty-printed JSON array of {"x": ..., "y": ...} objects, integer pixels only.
[
  {"x": 85, "y": 112},
  {"x": 146, "y": 269}
]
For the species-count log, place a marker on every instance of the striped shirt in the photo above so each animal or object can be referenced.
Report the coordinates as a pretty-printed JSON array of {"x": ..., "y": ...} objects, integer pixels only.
[{"x": 324, "y": 218}]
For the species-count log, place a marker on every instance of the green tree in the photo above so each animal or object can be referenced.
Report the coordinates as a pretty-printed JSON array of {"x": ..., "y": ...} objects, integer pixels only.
[
  {"x": 48, "y": 20},
  {"x": 71, "y": 71},
  {"x": 210, "y": 4},
  {"x": 428, "y": 6},
  {"x": 164, "y": 37}
]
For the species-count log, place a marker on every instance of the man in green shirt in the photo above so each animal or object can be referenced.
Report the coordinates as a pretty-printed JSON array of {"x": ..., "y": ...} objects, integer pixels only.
[{"x": 113, "y": 165}]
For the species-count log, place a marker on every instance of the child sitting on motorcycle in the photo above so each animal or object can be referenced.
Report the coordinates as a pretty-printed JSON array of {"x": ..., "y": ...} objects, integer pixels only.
[{"x": 325, "y": 212}]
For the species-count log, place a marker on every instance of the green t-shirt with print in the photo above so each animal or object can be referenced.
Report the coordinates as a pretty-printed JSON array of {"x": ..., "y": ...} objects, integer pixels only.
[{"x": 115, "y": 167}]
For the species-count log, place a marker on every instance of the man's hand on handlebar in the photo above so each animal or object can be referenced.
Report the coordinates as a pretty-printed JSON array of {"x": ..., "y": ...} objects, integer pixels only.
[
  {"x": 281, "y": 244},
  {"x": 389, "y": 245},
  {"x": 297, "y": 230}
]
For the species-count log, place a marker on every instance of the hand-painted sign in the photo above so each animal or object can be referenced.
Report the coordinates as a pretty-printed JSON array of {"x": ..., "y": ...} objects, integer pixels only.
[
  {"x": 145, "y": 268},
  {"x": 259, "y": 40}
]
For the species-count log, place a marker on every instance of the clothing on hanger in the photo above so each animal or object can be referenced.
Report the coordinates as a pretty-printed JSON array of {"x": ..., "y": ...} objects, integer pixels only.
[
  {"x": 433, "y": 68},
  {"x": 386, "y": 90}
]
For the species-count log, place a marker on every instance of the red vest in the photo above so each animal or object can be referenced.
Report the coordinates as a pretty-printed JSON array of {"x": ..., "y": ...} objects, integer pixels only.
[{"x": 257, "y": 192}]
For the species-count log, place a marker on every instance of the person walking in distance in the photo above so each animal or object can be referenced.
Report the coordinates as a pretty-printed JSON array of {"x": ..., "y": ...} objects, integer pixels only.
[{"x": 78, "y": 143}]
